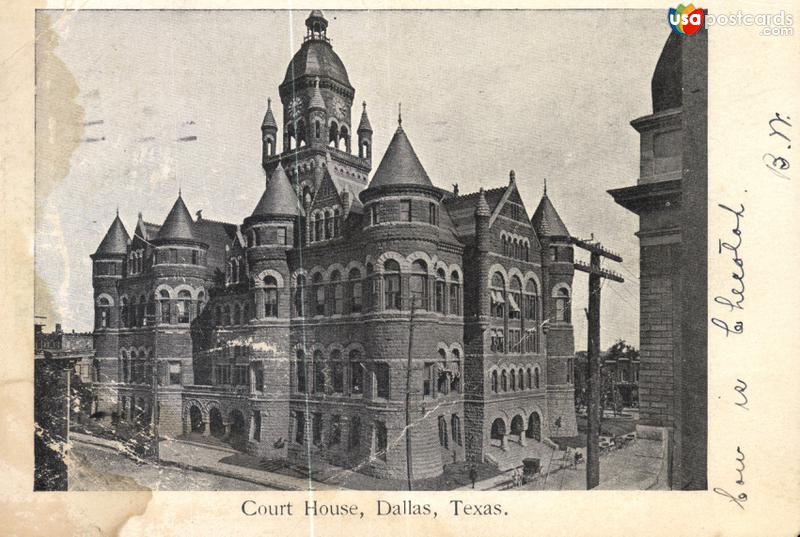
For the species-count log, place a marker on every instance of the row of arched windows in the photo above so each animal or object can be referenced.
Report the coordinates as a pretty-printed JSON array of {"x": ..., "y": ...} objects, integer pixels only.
[
  {"x": 136, "y": 262},
  {"x": 332, "y": 374},
  {"x": 134, "y": 367},
  {"x": 325, "y": 225},
  {"x": 515, "y": 247},
  {"x": 236, "y": 270},
  {"x": 151, "y": 309},
  {"x": 400, "y": 291},
  {"x": 514, "y": 380},
  {"x": 297, "y": 137},
  {"x": 266, "y": 306}
]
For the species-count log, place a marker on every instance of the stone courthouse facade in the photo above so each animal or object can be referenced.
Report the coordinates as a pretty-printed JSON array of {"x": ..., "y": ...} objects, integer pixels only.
[{"x": 290, "y": 335}]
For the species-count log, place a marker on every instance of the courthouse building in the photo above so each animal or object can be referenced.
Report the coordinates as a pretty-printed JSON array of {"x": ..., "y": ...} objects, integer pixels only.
[{"x": 290, "y": 334}]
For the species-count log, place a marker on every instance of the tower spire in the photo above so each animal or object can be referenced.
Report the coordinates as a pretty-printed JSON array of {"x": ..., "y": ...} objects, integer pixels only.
[
  {"x": 400, "y": 115},
  {"x": 545, "y": 186}
]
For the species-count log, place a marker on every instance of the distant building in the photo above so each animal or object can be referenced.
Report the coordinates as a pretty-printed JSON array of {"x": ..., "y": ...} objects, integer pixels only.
[
  {"x": 290, "y": 333},
  {"x": 619, "y": 374},
  {"x": 671, "y": 198}
]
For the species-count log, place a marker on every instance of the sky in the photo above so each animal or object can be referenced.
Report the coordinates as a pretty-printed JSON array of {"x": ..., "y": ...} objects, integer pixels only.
[{"x": 549, "y": 94}]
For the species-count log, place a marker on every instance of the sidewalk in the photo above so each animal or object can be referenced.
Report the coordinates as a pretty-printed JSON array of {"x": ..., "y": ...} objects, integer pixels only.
[{"x": 207, "y": 459}]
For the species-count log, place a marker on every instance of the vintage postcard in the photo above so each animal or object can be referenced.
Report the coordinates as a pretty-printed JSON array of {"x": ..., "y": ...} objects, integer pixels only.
[{"x": 449, "y": 269}]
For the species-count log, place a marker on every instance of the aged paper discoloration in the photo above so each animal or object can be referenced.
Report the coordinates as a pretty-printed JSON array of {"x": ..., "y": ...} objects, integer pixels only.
[{"x": 753, "y": 475}]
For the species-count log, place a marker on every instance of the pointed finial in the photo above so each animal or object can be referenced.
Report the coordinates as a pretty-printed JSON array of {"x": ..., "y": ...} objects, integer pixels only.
[
  {"x": 140, "y": 215},
  {"x": 179, "y": 191},
  {"x": 117, "y": 209},
  {"x": 269, "y": 103},
  {"x": 545, "y": 186},
  {"x": 511, "y": 176},
  {"x": 316, "y": 81},
  {"x": 399, "y": 114},
  {"x": 364, "y": 104}
]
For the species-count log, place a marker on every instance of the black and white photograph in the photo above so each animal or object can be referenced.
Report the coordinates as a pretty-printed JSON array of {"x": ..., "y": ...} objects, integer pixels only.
[{"x": 370, "y": 250}]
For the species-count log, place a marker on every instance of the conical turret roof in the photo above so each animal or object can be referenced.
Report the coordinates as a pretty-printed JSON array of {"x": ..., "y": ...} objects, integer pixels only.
[
  {"x": 116, "y": 240},
  {"x": 178, "y": 224},
  {"x": 546, "y": 221},
  {"x": 482, "y": 207},
  {"x": 269, "y": 119},
  {"x": 364, "y": 124},
  {"x": 279, "y": 196},
  {"x": 400, "y": 164}
]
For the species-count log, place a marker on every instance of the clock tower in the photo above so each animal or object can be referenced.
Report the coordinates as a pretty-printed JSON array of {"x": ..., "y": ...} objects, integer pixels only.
[{"x": 317, "y": 131}]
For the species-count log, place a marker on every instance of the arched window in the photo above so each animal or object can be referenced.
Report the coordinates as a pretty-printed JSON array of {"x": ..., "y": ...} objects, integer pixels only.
[
  {"x": 455, "y": 294},
  {"x": 328, "y": 224},
  {"x": 514, "y": 298},
  {"x": 140, "y": 310},
  {"x": 333, "y": 135},
  {"x": 123, "y": 316},
  {"x": 234, "y": 277},
  {"x": 319, "y": 295},
  {"x": 317, "y": 129},
  {"x": 345, "y": 137},
  {"x": 338, "y": 293},
  {"x": 356, "y": 373},
  {"x": 391, "y": 285},
  {"x": 133, "y": 313},
  {"x": 299, "y": 296},
  {"x": 318, "y": 234},
  {"x": 363, "y": 149},
  {"x": 371, "y": 288},
  {"x": 165, "y": 303},
  {"x": 536, "y": 377},
  {"x": 356, "y": 301},
  {"x": 337, "y": 371},
  {"x": 184, "y": 306},
  {"x": 504, "y": 381},
  {"x": 418, "y": 283},
  {"x": 494, "y": 381},
  {"x": 562, "y": 305},
  {"x": 498, "y": 296},
  {"x": 526, "y": 252},
  {"x": 126, "y": 372},
  {"x": 319, "y": 372},
  {"x": 440, "y": 287},
  {"x": 513, "y": 380},
  {"x": 300, "y": 371},
  {"x": 337, "y": 222},
  {"x": 520, "y": 379},
  {"x": 242, "y": 271},
  {"x": 455, "y": 379},
  {"x": 301, "y": 133},
  {"x": 530, "y": 379},
  {"x": 270, "y": 296}
]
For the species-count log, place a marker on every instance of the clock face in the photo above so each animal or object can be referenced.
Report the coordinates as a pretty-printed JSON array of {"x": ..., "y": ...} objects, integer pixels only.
[{"x": 295, "y": 106}]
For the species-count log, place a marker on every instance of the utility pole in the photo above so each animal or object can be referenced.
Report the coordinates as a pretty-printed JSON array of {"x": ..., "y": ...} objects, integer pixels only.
[
  {"x": 408, "y": 390},
  {"x": 596, "y": 273}
]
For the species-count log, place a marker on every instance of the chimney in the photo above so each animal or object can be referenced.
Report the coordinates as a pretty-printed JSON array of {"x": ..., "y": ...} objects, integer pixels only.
[
  {"x": 199, "y": 214},
  {"x": 346, "y": 201},
  {"x": 455, "y": 190},
  {"x": 58, "y": 328}
]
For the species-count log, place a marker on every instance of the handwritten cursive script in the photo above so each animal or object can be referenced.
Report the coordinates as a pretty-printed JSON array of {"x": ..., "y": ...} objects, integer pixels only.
[
  {"x": 733, "y": 300},
  {"x": 777, "y": 164}
]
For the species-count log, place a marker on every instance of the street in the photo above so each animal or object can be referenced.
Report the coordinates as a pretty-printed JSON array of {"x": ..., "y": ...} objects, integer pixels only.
[{"x": 98, "y": 468}]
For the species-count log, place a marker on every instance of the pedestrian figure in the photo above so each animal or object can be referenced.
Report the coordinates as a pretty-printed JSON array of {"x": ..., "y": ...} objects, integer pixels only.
[{"x": 473, "y": 475}]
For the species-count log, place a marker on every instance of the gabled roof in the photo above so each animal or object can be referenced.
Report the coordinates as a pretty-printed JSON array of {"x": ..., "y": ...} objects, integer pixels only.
[
  {"x": 400, "y": 164},
  {"x": 279, "y": 196},
  {"x": 327, "y": 194},
  {"x": 546, "y": 220},
  {"x": 115, "y": 241},
  {"x": 217, "y": 235},
  {"x": 178, "y": 224}
]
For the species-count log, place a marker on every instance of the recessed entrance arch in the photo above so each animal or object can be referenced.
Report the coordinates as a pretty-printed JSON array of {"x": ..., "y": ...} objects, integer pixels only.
[
  {"x": 534, "y": 427},
  {"x": 196, "y": 419},
  {"x": 238, "y": 432},
  {"x": 498, "y": 431},
  {"x": 216, "y": 426}
]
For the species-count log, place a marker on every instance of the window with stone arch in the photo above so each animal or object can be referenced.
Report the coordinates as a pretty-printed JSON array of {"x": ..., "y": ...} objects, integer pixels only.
[
  {"x": 561, "y": 297},
  {"x": 336, "y": 371},
  {"x": 320, "y": 373},
  {"x": 356, "y": 373},
  {"x": 513, "y": 380},
  {"x": 184, "y": 305},
  {"x": 455, "y": 294},
  {"x": 455, "y": 378},
  {"x": 520, "y": 379},
  {"x": 440, "y": 291},
  {"x": 103, "y": 312},
  {"x": 356, "y": 291},
  {"x": 536, "y": 378},
  {"x": 328, "y": 224},
  {"x": 163, "y": 299},
  {"x": 418, "y": 284},
  {"x": 497, "y": 291},
  {"x": 391, "y": 285},
  {"x": 530, "y": 379},
  {"x": 333, "y": 135},
  {"x": 514, "y": 298},
  {"x": 299, "y": 296},
  {"x": 504, "y": 380},
  {"x": 123, "y": 314},
  {"x": 494, "y": 381},
  {"x": 300, "y": 371},
  {"x": 338, "y": 292},
  {"x": 270, "y": 297},
  {"x": 317, "y": 230},
  {"x": 319, "y": 295},
  {"x": 337, "y": 222}
]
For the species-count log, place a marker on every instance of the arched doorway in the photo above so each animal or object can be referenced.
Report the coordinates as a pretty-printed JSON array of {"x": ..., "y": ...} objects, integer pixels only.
[
  {"x": 216, "y": 426},
  {"x": 518, "y": 426},
  {"x": 238, "y": 432},
  {"x": 498, "y": 432},
  {"x": 534, "y": 427},
  {"x": 196, "y": 420}
]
